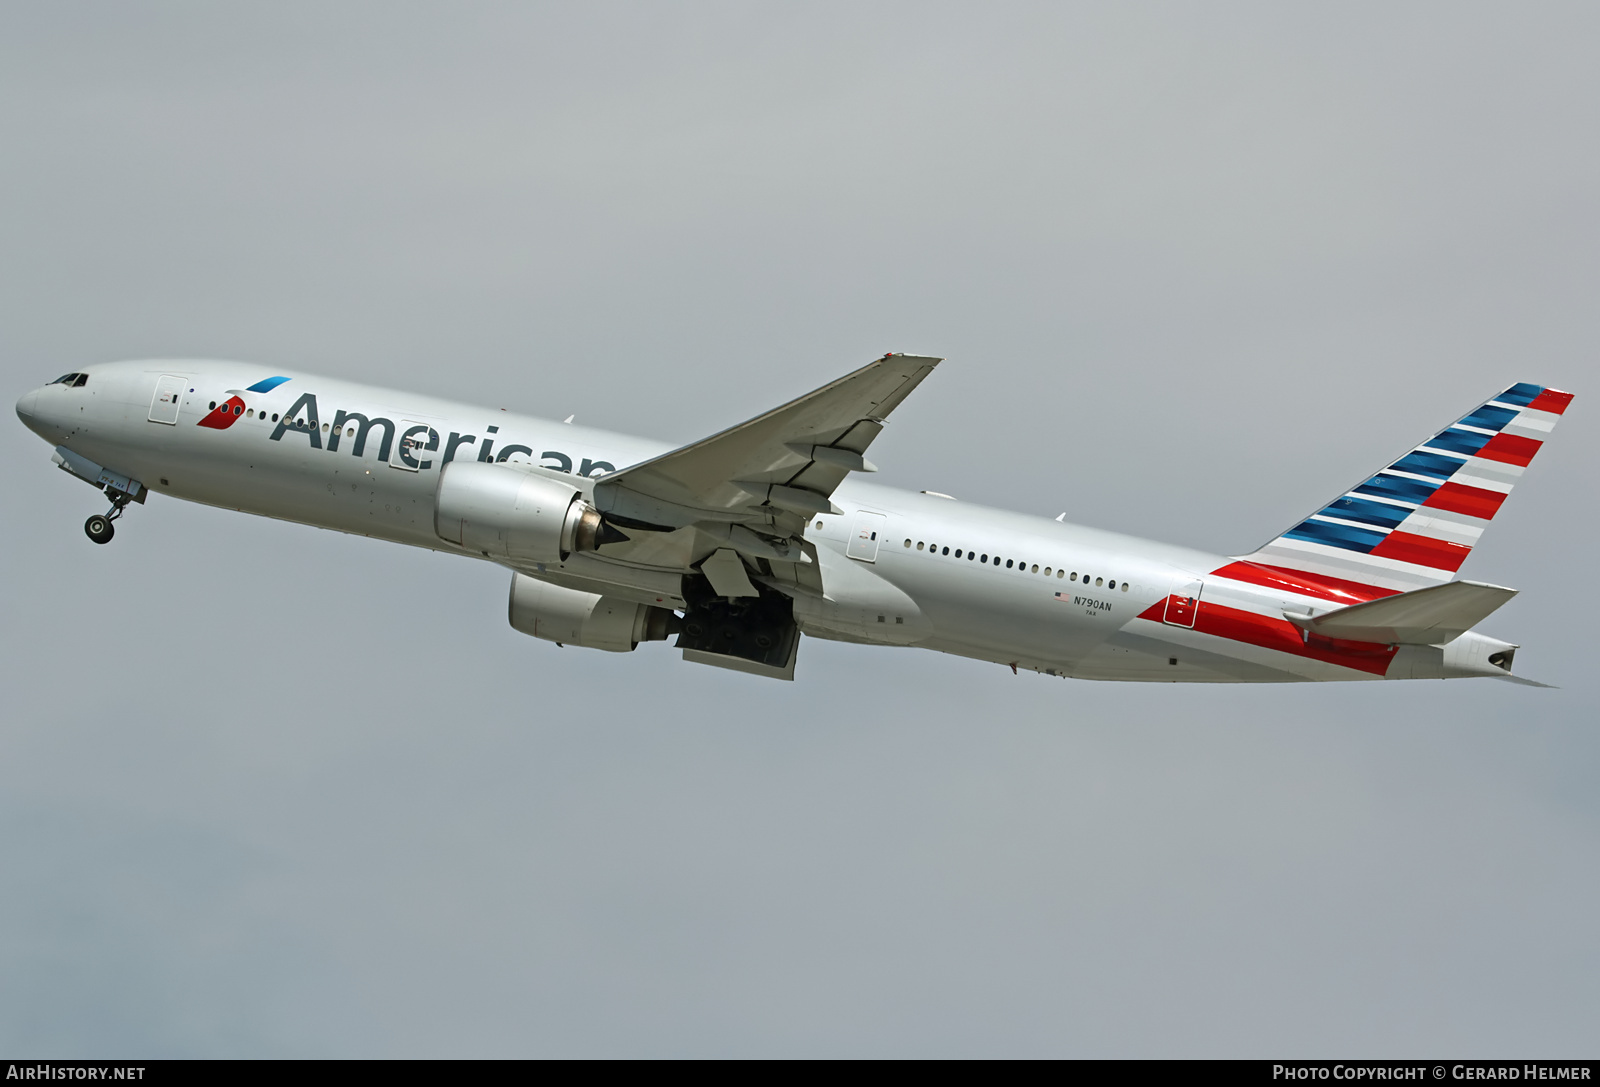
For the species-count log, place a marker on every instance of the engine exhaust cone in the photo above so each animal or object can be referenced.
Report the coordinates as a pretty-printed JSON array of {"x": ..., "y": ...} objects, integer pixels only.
[{"x": 609, "y": 534}]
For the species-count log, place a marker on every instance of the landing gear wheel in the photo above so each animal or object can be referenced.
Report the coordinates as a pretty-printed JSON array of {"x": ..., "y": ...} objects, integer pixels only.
[{"x": 99, "y": 528}]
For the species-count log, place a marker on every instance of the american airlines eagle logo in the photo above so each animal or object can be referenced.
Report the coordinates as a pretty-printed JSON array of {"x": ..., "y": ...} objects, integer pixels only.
[{"x": 225, "y": 414}]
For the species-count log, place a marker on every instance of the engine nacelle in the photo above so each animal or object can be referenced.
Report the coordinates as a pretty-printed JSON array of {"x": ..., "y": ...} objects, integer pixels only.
[
  {"x": 571, "y": 617},
  {"x": 508, "y": 513}
]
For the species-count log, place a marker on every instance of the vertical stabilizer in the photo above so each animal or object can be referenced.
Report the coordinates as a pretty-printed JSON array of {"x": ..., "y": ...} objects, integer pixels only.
[{"x": 1414, "y": 523}]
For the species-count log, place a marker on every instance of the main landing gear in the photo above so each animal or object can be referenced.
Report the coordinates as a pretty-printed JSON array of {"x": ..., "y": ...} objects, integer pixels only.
[{"x": 99, "y": 527}]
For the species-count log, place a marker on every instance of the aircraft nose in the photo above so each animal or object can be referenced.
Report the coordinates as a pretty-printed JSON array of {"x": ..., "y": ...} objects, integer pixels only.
[{"x": 25, "y": 407}]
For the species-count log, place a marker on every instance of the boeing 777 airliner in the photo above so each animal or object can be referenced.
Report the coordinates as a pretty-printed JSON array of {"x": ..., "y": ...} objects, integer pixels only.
[{"x": 739, "y": 543}]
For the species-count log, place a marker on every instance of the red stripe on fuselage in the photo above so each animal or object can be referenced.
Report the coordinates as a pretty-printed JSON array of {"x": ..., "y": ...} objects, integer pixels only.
[
  {"x": 1267, "y": 632},
  {"x": 1472, "y": 501},
  {"x": 1300, "y": 582},
  {"x": 1552, "y": 401},
  {"x": 1422, "y": 550},
  {"x": 1282, "y": 635},
  {"x": 1510, "y": 449}
]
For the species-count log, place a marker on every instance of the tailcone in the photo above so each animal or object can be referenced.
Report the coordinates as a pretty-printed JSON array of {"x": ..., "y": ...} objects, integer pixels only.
[{"x": 1472, "y": 654}]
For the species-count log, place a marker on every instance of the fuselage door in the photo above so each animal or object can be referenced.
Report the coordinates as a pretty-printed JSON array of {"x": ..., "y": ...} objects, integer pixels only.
[
  {"x": 168, "y": 398},
  {"x": 868, "y": 534},
  {"x": 1183, "y": 602}
]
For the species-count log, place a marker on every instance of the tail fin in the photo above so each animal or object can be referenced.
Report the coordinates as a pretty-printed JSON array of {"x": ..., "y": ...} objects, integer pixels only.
[{"x": 1415, "y": 522}]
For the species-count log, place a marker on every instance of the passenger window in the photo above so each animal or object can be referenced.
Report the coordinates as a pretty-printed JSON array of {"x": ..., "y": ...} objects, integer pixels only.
[
  {"x": 1098, "y": 581},
  {"x": 946, "y": 551},
  {"x": 919, "y": 545},
  {"x": 1074, "y": 575},
  {"x": 1035, "y": 570},
  {"x": 908, "y": 541},
  {"x": 1060, "y": 573},
  {"x": 1008, "y": 564},
  {"x": 1113, "y": 584},
  {"x": 1124, "y": 586},
  {"x": 213, "y": 405}
]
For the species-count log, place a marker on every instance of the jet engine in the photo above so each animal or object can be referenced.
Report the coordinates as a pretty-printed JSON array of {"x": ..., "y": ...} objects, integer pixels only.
[
  {"x": 571, "y": 617},
  {"x": 513, "y": 514}
]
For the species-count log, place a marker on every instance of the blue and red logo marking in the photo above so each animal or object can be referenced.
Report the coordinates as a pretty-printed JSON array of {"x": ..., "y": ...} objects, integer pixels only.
[
  {"x": 225, "y": 414},
  {"x": 1369, "y": 519}
]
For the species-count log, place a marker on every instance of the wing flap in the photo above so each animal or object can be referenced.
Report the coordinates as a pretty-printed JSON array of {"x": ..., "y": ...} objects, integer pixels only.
[{"x": 726, "y": 572}]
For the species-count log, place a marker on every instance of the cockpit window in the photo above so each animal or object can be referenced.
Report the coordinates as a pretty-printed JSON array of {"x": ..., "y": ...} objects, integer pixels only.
[
  {"x": 72, "y": 381},
  {"x": 80, "y": 381}
]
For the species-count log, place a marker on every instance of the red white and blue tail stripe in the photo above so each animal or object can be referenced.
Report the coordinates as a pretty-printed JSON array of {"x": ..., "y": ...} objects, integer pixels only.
[{"x": 1414, "y": 523}]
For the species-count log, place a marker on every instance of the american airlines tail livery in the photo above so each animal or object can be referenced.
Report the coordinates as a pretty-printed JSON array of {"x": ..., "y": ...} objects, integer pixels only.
[{"x": 739, "y": 543}]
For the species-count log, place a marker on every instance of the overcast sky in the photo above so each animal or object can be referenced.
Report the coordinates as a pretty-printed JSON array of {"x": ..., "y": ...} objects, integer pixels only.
[{"x": 272, "y": 791}]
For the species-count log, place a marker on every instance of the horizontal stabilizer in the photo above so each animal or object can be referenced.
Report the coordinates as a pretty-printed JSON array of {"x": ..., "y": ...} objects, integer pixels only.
[
  {"x": 1431, "y": 616},
  {"x": 1529, "y": 682}
]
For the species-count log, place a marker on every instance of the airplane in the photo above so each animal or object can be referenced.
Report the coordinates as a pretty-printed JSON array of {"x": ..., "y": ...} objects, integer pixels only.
[{"x": 740, "y": 543}]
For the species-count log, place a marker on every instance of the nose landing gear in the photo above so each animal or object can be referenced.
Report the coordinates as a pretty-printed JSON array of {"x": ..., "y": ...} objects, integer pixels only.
[
  {"x": 119, "y": 488},
  {"x": 99, "y": 527}
]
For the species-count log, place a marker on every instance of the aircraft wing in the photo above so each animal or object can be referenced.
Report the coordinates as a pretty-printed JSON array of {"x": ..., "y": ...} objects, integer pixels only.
[
  {"x": 773, "y": 472},
  {"x": 737, "y": 503}
]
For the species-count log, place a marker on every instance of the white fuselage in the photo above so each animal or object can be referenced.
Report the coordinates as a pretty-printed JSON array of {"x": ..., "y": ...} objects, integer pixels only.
[{"x": 1061, "y": 598}]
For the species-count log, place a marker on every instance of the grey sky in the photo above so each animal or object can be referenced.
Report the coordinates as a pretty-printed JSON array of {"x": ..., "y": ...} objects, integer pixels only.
[{"x": 266, "y": 790}]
